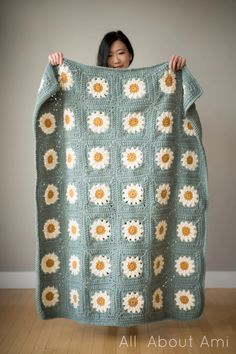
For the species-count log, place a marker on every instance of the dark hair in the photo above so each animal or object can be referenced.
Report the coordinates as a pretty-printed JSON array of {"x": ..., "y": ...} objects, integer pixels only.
[{"x": 106, "y": 43}]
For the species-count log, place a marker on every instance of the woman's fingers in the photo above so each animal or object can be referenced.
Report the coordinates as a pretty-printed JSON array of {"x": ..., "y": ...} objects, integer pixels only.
[
  {"x": 56, "y": 58},
  {"x": 176, "y": 62}
]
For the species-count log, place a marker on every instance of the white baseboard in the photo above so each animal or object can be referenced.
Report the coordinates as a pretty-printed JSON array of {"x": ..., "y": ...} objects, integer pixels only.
[{"x": 24, "y": 280}]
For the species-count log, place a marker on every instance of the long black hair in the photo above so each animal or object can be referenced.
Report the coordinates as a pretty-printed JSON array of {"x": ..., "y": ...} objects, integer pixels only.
[{"x": 106, "y": 43}]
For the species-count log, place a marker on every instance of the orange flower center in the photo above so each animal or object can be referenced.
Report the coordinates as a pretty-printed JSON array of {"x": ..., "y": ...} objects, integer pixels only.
[
  {"x": 169, "y": 80},
  {"x": 133, "y": 230},
  {"x": 134, "y": 88},
  {"x": 97, "y": 87},
  {"x": 99, "y": 193},
  {"x": 188, "y": 195}
]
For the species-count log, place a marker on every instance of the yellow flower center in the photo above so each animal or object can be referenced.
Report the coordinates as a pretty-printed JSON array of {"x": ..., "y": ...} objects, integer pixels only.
[
  {"x": 51, "y": 228},
  {"x": 74, "y": 264},
  {"x": 165, "y": 157},
  {"x": 188, "y": 195},
  {"x": 189, "y": 160},
  {"x": 50, "y": 194},
  {"x": 98, "y": 156},
  {"x": 185, "y": 230},
  {"x": 100, "y": 229},
  {"x": 134, "y": 88},
  {"x": 184, "y": 299},
  {"x": 48, "y": 123},
  {"x": 97, "y": 87},
  {"x": 166, "y": 121},
  {"x": 163, "y": 193},
  {"x": 73, "y": 229},
  {"x": 133, "y": 121},
  {"x": 132, "y": 266},
  {"x": 99, "y": 193},
  {"x": 132, "y": 156},
  {"x": 132, "y": 230},
  {"x": 161, "y": 230},
  {"x": 169, "y": 80},
  {"x": 67, "y": 119},
  {"x": 184, "y": 265},
  {"x": 133, "y": 301},
  {"x": 50, "y": 263},
  {"x": 100, "y": 301},
  {"x": 132, "y": 193},
  {"x": 98, "y": 121},
  {"x": 50, "y": 159},
  {"x": 64, "y": 78},
  {"x": 189, "y": 125},
  {"x": 50, "y": 296},
  {"x": 100, "y": 265},
  {"x": 71, "y": 193}
]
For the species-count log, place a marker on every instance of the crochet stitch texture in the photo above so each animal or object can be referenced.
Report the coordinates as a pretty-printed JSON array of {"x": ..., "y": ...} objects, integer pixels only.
[{"x": 121, "y": 195}]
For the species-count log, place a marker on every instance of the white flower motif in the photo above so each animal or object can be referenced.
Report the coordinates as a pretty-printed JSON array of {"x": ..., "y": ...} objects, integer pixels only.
[
  {"x": 188, "y": 196},
  {"x": 133, "y": 122},
  {"x": 132, "y": 194},
  {"x": 158, "y": 264},
  {"x": 161, "y": 229},
  {"x": 100, "y": 266},
  {"x": 71, "y": 193},
  {"x": 98, "y": 122},
  {"x": 50, "y": 296},
  {"x": 98, "y": 158},
  {"x": 74, "y": 265},
  {"x": 164, "y": 158},
  {"x": 50, "y": 263},
  {"x": 133, "y": 302},
  {"x": 51, "y": 229},
  {"x": 100, "y": 194},
  {"x": 74, "y": 298},
  {"x": 73, "y": 229},
  {"x": 168, "y": 82},
  {"x": 100, "y": 229},
  {"x": 98, "y": 87},
  {"x": 134, "y": 88},
  {"x": 70, "y": 158},
  {"x": 184, "y": 299},
  {"x": 101, "y": 301},
  {"x": 163, "y": 193},
  {"x": 189, "y": 160},
  {"x": 132, "y": 267},
  {"x": 65, "y": 77},
  {"x": 132, "y": 230},
  {"x": 188, "y": 128},
  {"x": 50, "y": 159},
  {"x": 132, "y": 158},
  {"x": 157, "y": 299},
  {"x": 165, "y": 122},
  {"x": 47, "y": 123},
  {"x": 186, "y": 231},
  {"x": 69, "y": 119},
  {"x": 185, "y": 266},
  {"x": 51, "y": 194}
]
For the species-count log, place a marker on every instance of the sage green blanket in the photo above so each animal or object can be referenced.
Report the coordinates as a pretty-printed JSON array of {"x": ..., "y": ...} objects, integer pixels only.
[{"x": 121, "y": 195}]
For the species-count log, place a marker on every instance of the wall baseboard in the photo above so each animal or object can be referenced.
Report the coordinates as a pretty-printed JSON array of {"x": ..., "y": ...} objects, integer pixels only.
[{"x": 22, "y": 280}]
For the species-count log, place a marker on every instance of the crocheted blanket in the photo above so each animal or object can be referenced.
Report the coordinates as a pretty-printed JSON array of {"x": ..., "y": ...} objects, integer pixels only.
[{"x": 121, "y": 195}]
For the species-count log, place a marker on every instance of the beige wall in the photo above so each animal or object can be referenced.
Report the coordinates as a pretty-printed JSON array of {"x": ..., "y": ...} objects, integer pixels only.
[{"x": 202, "y": 31}]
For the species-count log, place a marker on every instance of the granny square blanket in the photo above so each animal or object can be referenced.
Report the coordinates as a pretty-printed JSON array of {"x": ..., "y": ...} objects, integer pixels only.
[{"x": 121, "y": 195}]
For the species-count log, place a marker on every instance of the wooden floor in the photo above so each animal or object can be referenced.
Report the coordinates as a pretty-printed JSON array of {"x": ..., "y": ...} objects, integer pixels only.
[{"x": 21, "y": 330}]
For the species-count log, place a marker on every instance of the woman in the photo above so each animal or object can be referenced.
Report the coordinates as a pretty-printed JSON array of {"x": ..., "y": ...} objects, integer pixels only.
[{"x": 115, "y": 51}]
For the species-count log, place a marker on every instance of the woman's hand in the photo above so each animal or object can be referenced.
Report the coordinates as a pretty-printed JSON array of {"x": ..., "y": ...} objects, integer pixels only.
[
  {"x": 176, "y": 63},
  {"x": 56, "y": 58}
]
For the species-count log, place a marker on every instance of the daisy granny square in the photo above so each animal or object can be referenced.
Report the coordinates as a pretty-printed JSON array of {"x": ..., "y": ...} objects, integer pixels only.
[{"x": 121, "y": 195}]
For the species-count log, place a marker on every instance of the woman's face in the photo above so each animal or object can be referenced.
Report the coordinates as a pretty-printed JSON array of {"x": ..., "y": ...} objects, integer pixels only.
[{"x": 118, "y": 56}]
